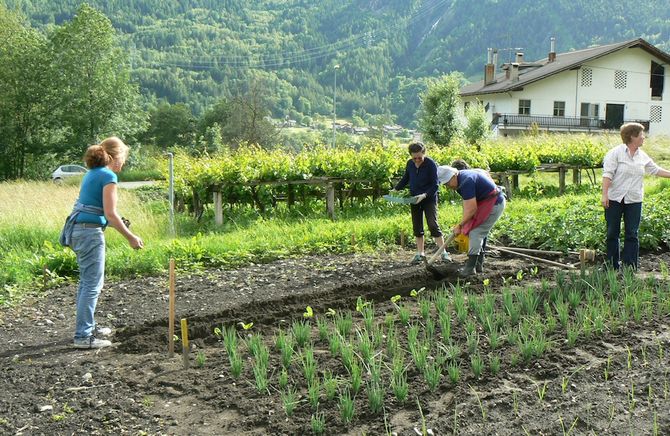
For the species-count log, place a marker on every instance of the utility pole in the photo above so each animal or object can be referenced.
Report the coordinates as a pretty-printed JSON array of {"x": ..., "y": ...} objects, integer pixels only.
[{"x": 337, "y": 66}]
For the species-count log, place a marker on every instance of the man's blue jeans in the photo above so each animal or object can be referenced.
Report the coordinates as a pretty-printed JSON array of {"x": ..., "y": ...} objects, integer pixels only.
[
  {"x": 89, "y": 245},
  {"x": 631, "y": 214}
]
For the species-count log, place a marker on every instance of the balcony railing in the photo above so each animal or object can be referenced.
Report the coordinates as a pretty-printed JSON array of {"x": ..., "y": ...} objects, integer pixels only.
[{"x": 516, "y": 121}]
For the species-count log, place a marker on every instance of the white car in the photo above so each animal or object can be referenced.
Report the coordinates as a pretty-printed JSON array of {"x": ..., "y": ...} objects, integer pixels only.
[{"x": 65, "y": 171}]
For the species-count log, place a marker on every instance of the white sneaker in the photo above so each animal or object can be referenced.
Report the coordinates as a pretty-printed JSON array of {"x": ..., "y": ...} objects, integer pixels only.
[{"x": 91, "y": 342}]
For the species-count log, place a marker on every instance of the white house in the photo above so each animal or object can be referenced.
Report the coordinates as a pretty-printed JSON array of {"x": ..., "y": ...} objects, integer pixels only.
[{"x": 594, "y": 89}]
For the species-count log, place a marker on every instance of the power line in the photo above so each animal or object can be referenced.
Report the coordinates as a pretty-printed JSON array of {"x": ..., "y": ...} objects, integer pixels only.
[{"x": 306, "y": 55}]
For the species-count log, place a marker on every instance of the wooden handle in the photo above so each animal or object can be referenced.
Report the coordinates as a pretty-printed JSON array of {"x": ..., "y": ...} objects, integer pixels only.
[
  {"x": 539, "y": 259},
  {"x": 441, "y": 249}
]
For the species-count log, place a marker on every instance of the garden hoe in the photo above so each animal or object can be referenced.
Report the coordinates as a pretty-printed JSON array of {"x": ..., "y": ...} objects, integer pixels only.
[{"x": 434, "y": 271}]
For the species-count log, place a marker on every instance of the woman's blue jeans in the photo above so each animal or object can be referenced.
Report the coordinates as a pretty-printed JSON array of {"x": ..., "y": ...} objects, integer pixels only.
[
  {"x": 631, "y": 213},
  {"x": 89, "y": 246}
]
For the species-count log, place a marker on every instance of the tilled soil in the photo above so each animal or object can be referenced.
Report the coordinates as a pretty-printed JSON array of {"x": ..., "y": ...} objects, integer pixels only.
[{"x": 136, "y": 388}]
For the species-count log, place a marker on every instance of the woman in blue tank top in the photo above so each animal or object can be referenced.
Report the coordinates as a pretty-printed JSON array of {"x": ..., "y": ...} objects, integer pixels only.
[{"x": 93, "y": 212}]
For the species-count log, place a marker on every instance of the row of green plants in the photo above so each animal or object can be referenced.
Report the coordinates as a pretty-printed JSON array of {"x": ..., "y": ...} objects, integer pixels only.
[
  {"x": 380, "y": 356},
  {"x": 373, "y": 163},
  {"x": 32, "y": 258}
]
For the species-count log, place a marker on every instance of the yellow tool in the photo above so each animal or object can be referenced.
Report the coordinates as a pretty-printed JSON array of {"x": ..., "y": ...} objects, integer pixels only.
[{"x": 462, "y": 243}]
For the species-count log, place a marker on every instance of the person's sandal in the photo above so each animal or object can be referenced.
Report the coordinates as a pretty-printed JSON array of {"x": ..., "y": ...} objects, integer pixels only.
[{"x": 417, "y": 259}]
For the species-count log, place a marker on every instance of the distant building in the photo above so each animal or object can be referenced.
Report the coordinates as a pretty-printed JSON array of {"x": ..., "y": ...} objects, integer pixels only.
[{"x": 589, "y": 90}]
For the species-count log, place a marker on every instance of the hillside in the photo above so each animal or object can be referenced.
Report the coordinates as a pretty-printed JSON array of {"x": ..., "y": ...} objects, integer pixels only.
[{"x": 201, "y": 50}]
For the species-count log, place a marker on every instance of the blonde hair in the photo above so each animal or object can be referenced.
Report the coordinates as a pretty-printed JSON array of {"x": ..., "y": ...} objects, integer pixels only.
[
  {"x": 630, "y": 130},
  {"x": 105, "y": 153}
]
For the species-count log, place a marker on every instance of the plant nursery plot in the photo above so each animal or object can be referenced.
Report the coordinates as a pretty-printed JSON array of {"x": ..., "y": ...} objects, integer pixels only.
[{"x": 351, "y": 344}]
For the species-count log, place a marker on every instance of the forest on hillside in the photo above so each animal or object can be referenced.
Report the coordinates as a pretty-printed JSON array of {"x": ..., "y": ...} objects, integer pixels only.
[{"x": 197, "y": 52}]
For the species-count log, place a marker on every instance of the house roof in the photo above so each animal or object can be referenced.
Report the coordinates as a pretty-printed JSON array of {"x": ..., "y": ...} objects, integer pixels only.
[{"x": 530, "y": 72}]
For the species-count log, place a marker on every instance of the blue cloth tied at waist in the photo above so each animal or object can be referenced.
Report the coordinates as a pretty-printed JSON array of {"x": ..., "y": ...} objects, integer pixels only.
[{"x": 66, "y": 234}]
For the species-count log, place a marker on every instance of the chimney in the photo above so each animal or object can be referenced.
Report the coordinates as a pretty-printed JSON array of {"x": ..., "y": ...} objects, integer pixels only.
[
  {"x": 519, "y": 57},
  {"x": 514, "y": 72},
  {"x": 489, "y": 68},
  {"x": 552, "y": 51}
]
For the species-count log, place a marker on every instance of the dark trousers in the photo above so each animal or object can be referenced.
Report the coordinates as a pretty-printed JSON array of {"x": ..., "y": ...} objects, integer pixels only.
[
  {"x": 429, "y": 208},
  {"x": 631, "y": 214}
]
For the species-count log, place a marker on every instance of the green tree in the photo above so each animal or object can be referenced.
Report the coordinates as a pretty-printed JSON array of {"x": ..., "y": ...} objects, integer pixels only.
[
  {"x": 250, "y": 120},
  {"x": 171, "y": 125},
  {"x": 476, "y": 125},
  {"x": 93, "y": 94},
  {"x": 438, "y": 119},
  {"x": 23, "y": 85}
]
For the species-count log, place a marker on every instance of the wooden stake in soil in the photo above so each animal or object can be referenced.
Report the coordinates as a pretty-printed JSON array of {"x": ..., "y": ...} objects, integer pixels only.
[
  {"x": 171, "y": 311},
  {"x": 402, "y": 239},
  {"x": 184, "y": 341}
]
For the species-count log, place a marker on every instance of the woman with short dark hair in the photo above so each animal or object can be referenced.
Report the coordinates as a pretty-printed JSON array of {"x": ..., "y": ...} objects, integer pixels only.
[{"x": 421, "y": 175}]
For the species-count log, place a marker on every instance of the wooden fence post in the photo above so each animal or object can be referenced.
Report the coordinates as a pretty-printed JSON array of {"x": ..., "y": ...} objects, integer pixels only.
[
  {"x": 561, "y": 179},
  {"x": 218, "y": 208},
  {"x": 330, "y": 200}
]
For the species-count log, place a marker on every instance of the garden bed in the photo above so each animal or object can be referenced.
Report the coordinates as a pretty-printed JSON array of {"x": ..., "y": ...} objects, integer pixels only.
[{"x": 612, "y": 379}]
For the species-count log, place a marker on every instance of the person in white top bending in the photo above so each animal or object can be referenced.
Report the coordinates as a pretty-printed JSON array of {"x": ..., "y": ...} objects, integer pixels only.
[{"x": 624, "y": 168}]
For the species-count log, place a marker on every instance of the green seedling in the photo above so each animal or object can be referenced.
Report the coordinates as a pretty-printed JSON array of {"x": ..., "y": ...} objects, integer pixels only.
[
  {"x": 344, "y": 324},
  {"x": 331, "y": 312},
  {"x": 334, "y": 344},
  {"x": 631, "y": 397},
  {"x": 314, "y": 392},
  {"x": 424, "y": 427},
  {"x": 432, "y": 373},
  {"x": 200, "y": 359},
  {"x": 424, "y": 308},
  {"x": 477, "y": 364},
  {"x": 301, "y": 332},
  {"x": 322, "y": 327},
  {"x": 399, "y": 386},
  {"x": 494, "y": 364},
  {"x": 479, "y": 401},
  {"x": 318, "y": 423},
  {"x": 236, "y": 364},
  {"x": 629, "y": 358},
  {"x": 375, "y": 397},
  {"x": 356, "y": 375},
  {"x": 260, "y": 376},
  {"x": 308, "y": 363},
  {"x": 560, "y": 418},
  {"x": 330, "y": 385},
  {"x": 403, "y": 314},
  {"x": 541, "y": 391},
  {"x": 519, "y": 275},
  {"x": 283, "y": 378},
  {"x": 607, "y": 368},
  {"x": 454, "y": 372},
  {"x": 346, "y": 407},
  {"x": 289, "y": 399},
  {"x": 361, "y": 304}
]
